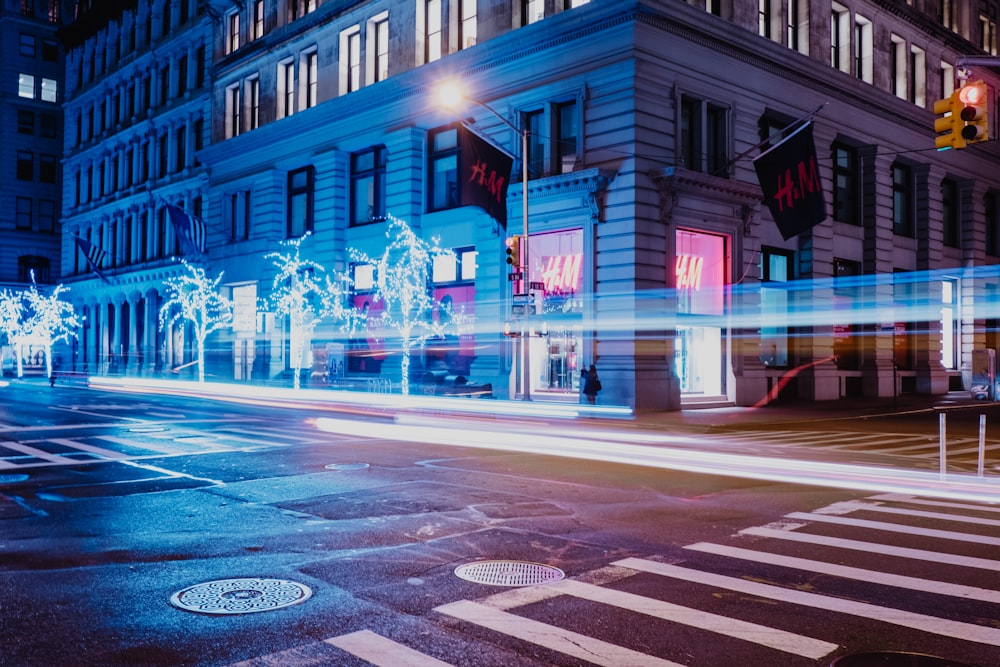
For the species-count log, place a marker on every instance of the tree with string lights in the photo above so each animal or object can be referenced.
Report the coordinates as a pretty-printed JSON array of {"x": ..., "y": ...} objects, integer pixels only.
[
  {"x": 194, "y": 297},
  {"x": 34, "y": 318}
]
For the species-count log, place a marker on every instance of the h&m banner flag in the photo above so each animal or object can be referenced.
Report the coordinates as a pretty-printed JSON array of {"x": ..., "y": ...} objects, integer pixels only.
[
  {"x": 484, "y": 173},
  {"x": 790, "y": 180},
  {"x": 190, "y": 230},
  {"x": 95, "y": 256}
]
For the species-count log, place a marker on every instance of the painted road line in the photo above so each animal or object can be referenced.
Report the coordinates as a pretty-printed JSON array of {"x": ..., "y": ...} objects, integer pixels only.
[
  {"x": 784, "y": 532},
  {"x": 39, "y": 454},
  {"x": 846, "y": 572},
  {"x": 723, "y": 625},
  {"x": 920, "y": 622},
  {"x": 914, "y": 500},
  {"x": 552, "y": 637},
  {"x": 84, "y": 447},
  {"x": 896, "y": 528},
  {"x": 382, "y": 651},
  {"x": 980, "y": 521}
]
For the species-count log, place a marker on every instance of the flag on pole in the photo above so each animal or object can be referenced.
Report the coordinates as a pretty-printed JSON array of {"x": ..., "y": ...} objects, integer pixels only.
[
  {"x": 95, "y": 256},
  {"x": 190, "y": 230},
  {"x": 484, "y": 173},
  {"x": 790, "y": 180}
]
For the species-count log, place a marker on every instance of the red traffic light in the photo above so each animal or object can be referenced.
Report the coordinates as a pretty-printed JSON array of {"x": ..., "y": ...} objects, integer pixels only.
[{"x": 973, "y": 94}]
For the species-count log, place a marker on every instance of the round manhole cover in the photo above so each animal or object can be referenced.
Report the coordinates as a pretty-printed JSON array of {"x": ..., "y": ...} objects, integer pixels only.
[
  {"x": 347, "y": 466},
  {"x": 508, "y": 573},
  {"x": 240, "y": 596}
]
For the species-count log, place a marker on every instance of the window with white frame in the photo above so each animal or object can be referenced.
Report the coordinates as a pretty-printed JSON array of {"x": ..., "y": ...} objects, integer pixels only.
[
  {"x": 234, "y": 109},
  {"x": 378, "y": 48},
  {"x": 467, "y": 24},
  {"x": 947, "y": 14},
  {"x": 797, "y": 15},
  {"x": 26, "y": 86},
  {"x": 532, "y": 11},
  {"x": 947, "y": 80},
  {"x": 310, "y": 80},
  {"x": 430, "y": 25},
  {"x": 776, "y": 273},
  {"x": 863, "y": 49},
  {"x": 840, "y": 37},
  {"x": 232, "y": 32},
  {"x": 704, "y": 136},
  {"x": 764, "y": 19},
  {"x": 50, "y": 90},
  {"x": 286, "y": 88},
  {"x": 258, "y": 19},
  {"x": 253, "y": 103},
  {"x": 917, "y": 77},
  {"x": 350, "y": 60},
  {"x": 897, "y": 66},
  {"x": 988, "y": 34}
]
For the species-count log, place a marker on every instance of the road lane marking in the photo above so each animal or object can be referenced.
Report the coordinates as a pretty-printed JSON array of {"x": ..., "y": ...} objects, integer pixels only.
[
  {"x": 896, "y": 528},
  {"x": 871, "y": 507},
  {"x": 552, "y": 637},
  {"x": 382, "y": 651},
  {"x": 39, "y": 453},
  {"x": 914, "y": 500},
  {"x": 846, "y": 572},
  {"x": 724, "y": 625},
  {"x": 784, "y": 533},
  {"x": 921, "y": 622},
  {"x": 84, "y": 447}
]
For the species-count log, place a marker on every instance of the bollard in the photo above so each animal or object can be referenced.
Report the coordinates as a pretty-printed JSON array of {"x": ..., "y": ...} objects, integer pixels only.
[
  {"x": 941, "y": 441},
  {"x": 982, "y": 443}
]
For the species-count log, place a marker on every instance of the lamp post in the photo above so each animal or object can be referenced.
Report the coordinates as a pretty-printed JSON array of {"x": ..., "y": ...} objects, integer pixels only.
[{"x": 450, "y": 95}]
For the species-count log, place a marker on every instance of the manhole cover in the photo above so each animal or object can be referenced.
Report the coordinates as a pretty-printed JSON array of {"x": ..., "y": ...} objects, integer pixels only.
[
  {"x": 346, "y": 466},
  {"x": 508, "y": 573},
  {"x": 240, "y": 596}
]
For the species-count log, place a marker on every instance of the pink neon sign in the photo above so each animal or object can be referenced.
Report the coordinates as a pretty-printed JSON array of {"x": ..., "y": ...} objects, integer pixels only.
[
  {"x": 688, "y": 269},
  {"x": 562, "y": 273}
]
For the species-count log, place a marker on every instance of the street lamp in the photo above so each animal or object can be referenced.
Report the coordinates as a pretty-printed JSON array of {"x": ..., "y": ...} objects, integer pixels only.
[{"x": 450, "y": 95}]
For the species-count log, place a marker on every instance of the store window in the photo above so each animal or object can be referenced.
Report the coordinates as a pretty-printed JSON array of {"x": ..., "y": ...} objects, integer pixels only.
[
  {"x": 776, "y": 271},
  {"x": 846, "y": 297},
  {"x": 950, "y": 341},
  {"x": 701, "y": 277}
]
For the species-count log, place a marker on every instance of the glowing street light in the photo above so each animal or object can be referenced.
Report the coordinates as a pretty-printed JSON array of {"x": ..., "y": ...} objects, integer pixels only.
[{"x": 450, "y": 95}]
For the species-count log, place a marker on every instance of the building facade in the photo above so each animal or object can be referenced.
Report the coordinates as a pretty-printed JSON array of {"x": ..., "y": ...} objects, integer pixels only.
[{"x": 652, "y": 250}]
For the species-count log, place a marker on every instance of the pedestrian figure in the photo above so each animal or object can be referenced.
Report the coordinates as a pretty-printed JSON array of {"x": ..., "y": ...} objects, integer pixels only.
[{"x": 592, "y": 384}]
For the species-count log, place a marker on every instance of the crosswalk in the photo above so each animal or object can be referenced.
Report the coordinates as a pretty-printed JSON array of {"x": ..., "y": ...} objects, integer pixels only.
[
  {"x": 960, "y": 451},
  {"x": 74, "y": 444},
  {"x": 889, "y": 572}
]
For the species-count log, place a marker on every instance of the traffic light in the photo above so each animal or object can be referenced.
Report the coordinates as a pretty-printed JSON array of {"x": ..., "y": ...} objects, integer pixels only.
[
  {"x": 974, "y": 97},
  {"x": 949, "y": 124},
  {"x": 514, "y": 251}
]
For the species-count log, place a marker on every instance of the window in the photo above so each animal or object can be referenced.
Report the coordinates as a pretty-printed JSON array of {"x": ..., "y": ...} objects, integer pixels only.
[
  {"x": 897, "y": 67},
  {"x": 443, "y": 170},
  {"x": 840, "y": 37},
  {"x": 50, "y": 50},
  {"x": 764, "y": 17},
  {"x": 531, "y": 11},
  {"x": 950, "y": 324},
  {"x": 378, "y": 35},
  {"x": 846, "y": 181},
  {"x": 234, "y": 109},
  {"x": 239, "y": 215},
  {"x": 182, "y": 74},
  {"x": 863, "y": 49},
  {"x": 536, "y": 143},
  {"x": 165, "y": 84},
  {"x": 846, "y": 294},
  {"x": 992, "y": 205},
  {"x": 253, "y": 102},
  {"x": 798, "y": 25},
  {"x": 25, "y": 165},
  {"x": 300, "y": 202},
  {"x": 47, "y": 168},
  {"x": 26, "y": 86},
  {"x": 946, "y": 14},
  {"x": 566, "y": 137},
  {"x": 164, "y": 155},
  {"x": 310, "y": 65},
  {"x": 33, "y": 265},
  {"x": 988, "y": 35},
  {"x": 902, "y": 199},
  {"x": 180, "y": 140},
  {"x": 46, "y": 215},
  {"x": 22, "y": 213},
  {"x": 432, "y": 30},
  {"x": 775, "y": 269},
  {"x": 467, "y": 24},
  {"x": 286, "y": 88},
  {"x": 27, "y": 45},
  {"x": 917, "y": 82},
  {"x": 950, "y": 212},
  {"x": 368, "y": 186},
  {"x": 258, "y": 19},
  {"x": 350, "y": 60},
  {"x": 25, "y": 122},
  {"x": 199, "y": 74},
  {"x": 232, "y": 32},
  {"x": 947, "y": 81},
  {"x": 53, "y": 14},
  {"x": 704, "y": 136}
]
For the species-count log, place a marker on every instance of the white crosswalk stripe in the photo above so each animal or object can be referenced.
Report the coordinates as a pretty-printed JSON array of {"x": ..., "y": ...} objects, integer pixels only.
[{"x": 507, "y": 615}]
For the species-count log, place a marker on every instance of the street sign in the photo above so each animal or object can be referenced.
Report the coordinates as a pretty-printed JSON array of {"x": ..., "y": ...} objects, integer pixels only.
[
  {"x": 518, "y": 309},
  {"x": 537, "y": 286},
  {"x": 517, "y": 275}
]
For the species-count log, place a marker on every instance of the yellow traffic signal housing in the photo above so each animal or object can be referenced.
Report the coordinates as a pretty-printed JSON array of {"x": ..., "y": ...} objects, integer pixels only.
[
  {"x": 514, "y": 251},
  {"x": 974, "y": 98},
  {"x": 948, "y": 124}
]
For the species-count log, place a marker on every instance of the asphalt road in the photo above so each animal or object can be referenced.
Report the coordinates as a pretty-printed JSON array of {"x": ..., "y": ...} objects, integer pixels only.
[{"x": 116, "y": 511}]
